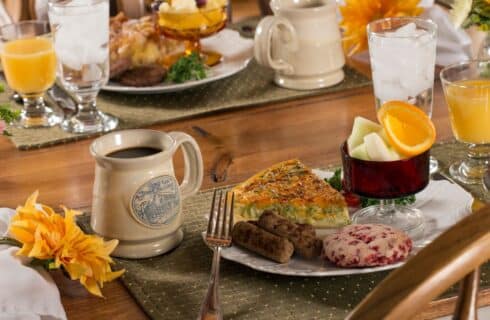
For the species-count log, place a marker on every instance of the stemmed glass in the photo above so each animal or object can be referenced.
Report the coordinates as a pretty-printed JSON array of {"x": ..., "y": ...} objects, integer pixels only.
[
  {"x": 387, "y": 181},
  {"x": 402, "y": 51},
  {"x": 191, "y": 27},
  {"x": 81, "y": 37},
  {"x": 467, "y": 89},
  {"x": 29, "y": 64}
]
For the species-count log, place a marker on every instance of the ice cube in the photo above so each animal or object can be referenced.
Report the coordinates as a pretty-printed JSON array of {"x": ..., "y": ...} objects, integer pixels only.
[
  {"x": 413, "y": 83},
  {"x": 389, "y": 90},
  {"x": 406, "y": 30}
]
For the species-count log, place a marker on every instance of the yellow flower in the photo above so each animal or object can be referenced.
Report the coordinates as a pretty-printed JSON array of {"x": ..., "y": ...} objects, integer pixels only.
[
  {"x": 357, "y": 14},
  {"x": 49, "y": 236}
]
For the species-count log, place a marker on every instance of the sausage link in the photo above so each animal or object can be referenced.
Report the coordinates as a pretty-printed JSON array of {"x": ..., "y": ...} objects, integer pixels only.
[{"x": 258, "y": 240}]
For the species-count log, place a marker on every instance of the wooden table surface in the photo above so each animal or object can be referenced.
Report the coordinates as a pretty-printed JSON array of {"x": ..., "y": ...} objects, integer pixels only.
[{"x": 253, "y": 138}]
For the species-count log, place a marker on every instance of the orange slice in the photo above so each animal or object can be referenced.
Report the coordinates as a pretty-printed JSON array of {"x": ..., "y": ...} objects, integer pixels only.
[{"x": 409, "y": 130}]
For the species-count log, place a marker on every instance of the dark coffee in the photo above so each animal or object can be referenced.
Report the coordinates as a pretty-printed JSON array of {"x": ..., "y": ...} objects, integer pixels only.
[{"x": 136, "y": 152}]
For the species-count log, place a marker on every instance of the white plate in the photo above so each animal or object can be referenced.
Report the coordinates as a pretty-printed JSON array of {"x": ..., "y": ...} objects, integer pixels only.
[
  {"x": 237, "y": 53},
  {"x": 442, "y": 203}
]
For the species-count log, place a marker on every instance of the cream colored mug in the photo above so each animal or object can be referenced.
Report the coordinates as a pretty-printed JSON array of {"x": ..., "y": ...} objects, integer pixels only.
[
  {"x": 301, "y": 41},
  {"x": 136, "y": 197}
]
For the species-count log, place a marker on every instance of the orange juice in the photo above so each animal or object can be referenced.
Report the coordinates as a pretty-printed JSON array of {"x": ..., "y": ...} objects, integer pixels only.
[
  {"x": 29, "y": 65},
  {"x": 469, "y": 110}
]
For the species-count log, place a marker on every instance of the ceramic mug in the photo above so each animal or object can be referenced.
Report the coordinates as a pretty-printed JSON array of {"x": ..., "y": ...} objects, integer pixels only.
[
  {"x": 136, "y": 197},
  {"x": 301, "y": 41}
]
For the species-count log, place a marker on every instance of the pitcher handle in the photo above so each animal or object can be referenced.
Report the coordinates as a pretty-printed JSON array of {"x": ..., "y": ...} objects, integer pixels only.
[
  {"x": 193, "y": 167},
  {"x": 264, "y": 32}
]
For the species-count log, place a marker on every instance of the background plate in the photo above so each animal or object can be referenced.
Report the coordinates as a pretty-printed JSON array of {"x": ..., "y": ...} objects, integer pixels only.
[{"x": 237, "y": 53}]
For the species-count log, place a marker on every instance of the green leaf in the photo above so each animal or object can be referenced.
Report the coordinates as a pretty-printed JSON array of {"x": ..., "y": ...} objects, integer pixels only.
[
  {"x": 366, "y": 202},
  {"x": 47, "y": 264},
  {"x": 7, "y": 114},
  {"x": 336, "y": 181},
  {"x": 187, "y": 68}
]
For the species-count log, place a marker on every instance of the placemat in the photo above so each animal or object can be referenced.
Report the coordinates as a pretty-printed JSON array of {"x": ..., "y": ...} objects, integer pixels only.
[
  {"x": 252, "y": 86},
  {"x": 173, "y": 285},
  {"x": 449, "y": 152}
]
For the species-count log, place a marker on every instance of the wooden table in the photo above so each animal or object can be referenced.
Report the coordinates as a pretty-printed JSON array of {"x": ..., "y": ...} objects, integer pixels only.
[{"x": 251, "y": 138}]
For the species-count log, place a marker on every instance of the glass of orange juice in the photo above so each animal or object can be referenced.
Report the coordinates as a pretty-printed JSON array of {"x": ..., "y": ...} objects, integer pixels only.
[
  {"x": 467, "y": 89},
  {"x": 29, "y": 64}
]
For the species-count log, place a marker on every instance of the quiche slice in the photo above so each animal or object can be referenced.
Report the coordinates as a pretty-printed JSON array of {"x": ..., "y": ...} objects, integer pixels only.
[{"x": 292, "y": 190}]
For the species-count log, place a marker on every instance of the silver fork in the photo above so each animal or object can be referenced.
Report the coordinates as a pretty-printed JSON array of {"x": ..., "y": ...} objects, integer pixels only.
[{"x": 218, "y": 235}]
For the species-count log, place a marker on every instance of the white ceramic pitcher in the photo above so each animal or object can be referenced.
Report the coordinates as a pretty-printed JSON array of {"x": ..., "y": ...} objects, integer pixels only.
[
  {"x": 138, "y": 199},
  {"x": 302, "y": 43}
]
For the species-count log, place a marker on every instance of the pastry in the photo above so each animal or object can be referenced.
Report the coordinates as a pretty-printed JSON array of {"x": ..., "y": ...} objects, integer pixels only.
[{"x": 366, "y": 245}]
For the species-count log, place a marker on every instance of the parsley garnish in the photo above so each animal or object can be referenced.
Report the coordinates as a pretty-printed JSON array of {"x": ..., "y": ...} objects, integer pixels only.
[
  {"x": 8, "y": 115},
  {"x": 187, "y": 68},
  {"x": 366, "y": 202},
  {"x": 336, "y": 182}
]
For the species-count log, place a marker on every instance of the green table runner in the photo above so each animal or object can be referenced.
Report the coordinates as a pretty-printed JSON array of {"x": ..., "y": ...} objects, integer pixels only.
[
  {"x": 173, "y": 285},
  {"x": 252, "y": 86}
]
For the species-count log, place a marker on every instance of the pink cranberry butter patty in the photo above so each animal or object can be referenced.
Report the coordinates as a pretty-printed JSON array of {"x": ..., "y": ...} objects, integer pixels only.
[{"x": 366, "y": 245}]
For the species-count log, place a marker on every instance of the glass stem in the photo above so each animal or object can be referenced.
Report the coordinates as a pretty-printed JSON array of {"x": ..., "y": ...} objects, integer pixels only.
[
  {"x": 478, "y": 160},
  {"x": 87, "y": 108},
  {"x": 192, "y": 46},
  {"x": 34, "y": 107},
  {"x": 387, "y": 207}
]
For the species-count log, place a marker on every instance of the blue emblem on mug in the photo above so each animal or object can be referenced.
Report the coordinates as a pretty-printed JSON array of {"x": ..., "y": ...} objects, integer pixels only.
[{"x": 157, "y": 202}]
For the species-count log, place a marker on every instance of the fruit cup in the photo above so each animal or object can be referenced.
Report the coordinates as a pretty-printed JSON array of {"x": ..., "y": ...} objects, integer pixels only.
[{"x": 386, "y": 181}]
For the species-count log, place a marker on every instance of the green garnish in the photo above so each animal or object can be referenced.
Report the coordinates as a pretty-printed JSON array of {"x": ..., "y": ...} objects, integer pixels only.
[
  {"x": 8, "y": 115},
  {"x": 187, "y": 68},
  {"x": 366, "y": 202},
  {"x": 336, "y": 182},
  {"x": 2, "y": 87}
]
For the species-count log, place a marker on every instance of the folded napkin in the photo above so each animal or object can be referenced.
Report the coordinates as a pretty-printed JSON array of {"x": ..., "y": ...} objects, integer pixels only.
[
  {"x": 453, "y": 44},
  {"x": 26, "y": 293}
]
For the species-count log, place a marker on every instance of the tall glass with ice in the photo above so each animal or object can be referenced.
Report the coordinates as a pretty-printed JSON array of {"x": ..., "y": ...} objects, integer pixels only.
[
  {"x": 403, "y": 54},
  {"x": 81, "y": 36}
]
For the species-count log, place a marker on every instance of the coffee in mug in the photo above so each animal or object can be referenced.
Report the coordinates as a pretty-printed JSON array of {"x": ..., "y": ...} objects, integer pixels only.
[{"x": 136, "y": 197}]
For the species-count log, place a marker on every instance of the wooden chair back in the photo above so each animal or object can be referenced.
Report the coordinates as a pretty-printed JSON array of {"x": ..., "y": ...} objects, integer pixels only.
[{"x": 456, "y": 253}]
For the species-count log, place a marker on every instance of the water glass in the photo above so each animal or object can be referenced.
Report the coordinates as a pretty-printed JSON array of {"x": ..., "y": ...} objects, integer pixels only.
[
  {"x": 81, "y": 37},
  {"x": 403, "y": 54},
  {"x": 467, "y": 90},
  {"x": 402, "y": 51},
  {"x": 29, "y": 65}
]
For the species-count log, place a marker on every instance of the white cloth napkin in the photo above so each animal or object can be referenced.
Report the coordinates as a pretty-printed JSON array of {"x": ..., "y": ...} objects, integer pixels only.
[
  {"x": 453, "y": 44},
  {"x": 26, "y": 293}
]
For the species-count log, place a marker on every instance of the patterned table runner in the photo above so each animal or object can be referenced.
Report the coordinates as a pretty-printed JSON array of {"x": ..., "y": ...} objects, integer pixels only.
[
  {"x": 173, "y": 285},
  {"x": 252, "y": 86}
]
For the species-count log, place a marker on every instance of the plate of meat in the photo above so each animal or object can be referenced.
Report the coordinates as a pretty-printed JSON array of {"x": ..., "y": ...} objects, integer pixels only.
[{"x": 138, "y": 52}]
